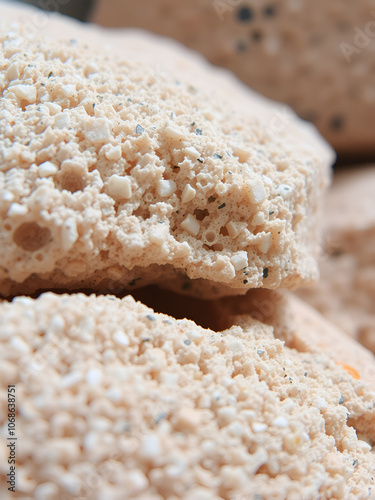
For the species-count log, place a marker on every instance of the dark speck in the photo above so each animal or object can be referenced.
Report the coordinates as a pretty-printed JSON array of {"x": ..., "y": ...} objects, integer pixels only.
[
  {"x": 200, "y": 160},
  {"x": 241, "y": 46},
  {"x": 198, "y": 131},
  {"x": 160, "y": 417},
  {"x": 355, "y": 463},
  {"x": 265, "y": 272},
  {"x": 271, "y": 212},
  {"x": 260, "y": 352},
  {"x": 139, "y": 129},
  {"x": 150, "y": 317},
  {"x": 186, "y": 286},
  {"x": 269, "y": 11},
  {"x": 211, "y": 199},
  {"x": 133, "y": 282},
  {"x": 219, "y": 157},
  {"x": 244, "y": 282},
  {"x": 245, "y": 14},
  {"x": 222, "y": 206},
  {"x": 187, "y": 342},
  {"x": 50, "y": 74},
  {"x": 192, "y": 124},
  {"x": 336, "y": 122},
  {"x": 256, "y": 36},
  {"x": 341, "y": 400}
]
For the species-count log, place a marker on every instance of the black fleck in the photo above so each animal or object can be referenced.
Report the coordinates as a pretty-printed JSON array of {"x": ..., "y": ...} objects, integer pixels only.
[
  {"x": 241, "y": 46},
  {"x": 355, "y": 463},
  {"x": 265, "y": 272},
  {"x": 211, "y": 199},
  {"x": 50, "y": 74},
  {"x": 337, "y": 122},
  {"x": 219, "y": 157},
  {"x": 245, "y": 14},
  {"x": 270, "y": 213},
  {"x": 186, "y": 286},
  {"x": 341, "y": 400},
  {"x": 269, "y": 11},
  {"x": 198, "y": 131},
  {"x": 160, "y": 417},
  {"x": 244, "y": 282},
  {"x": 133, "y": 282},
  {"x": 187, "y": 342},
  {"x": 256, "y": 36},
  {"x": 200, "y": 160},
  {"x": 222, "y": 206},
  {"x": 139, "y": 129},
  {"x": 151, "y": 317}
]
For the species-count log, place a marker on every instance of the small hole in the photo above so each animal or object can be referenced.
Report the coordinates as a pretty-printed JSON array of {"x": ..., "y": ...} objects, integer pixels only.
[
  {"x": 224, "y": 231},
  {"x": 39, "y": 257},
  {"x": 31, "y": 237},
  {"x": 72, "y": 181},
  {"x": 148, "y": 197},
  {"x": 200, "y": 214},
  {"x": 210, "y": 236}
]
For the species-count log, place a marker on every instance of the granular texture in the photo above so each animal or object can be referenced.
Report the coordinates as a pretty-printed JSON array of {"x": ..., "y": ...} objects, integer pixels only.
[
  {"x": 116, "y": 401},
  {"x": 116, "y": 173},
  {"x": 315, "y": 55},
  {"x": 346, "y": 291}
]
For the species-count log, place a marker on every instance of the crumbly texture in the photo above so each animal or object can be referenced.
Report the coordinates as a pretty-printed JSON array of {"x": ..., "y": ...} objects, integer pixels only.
[
  {"x": 116, "y": 173},
  {"x": 346, "y": 291},
  {"x": 140, "y": 405},
  {"x": 309, "y": 53}
]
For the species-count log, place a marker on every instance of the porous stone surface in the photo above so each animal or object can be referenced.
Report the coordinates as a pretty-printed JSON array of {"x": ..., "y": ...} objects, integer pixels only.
[
  {"x": 315, "y": 55},
  {"x": 140, "y": 405},
  {"x": 117, "y": 173},
  {"x": 346, "y": 291}
]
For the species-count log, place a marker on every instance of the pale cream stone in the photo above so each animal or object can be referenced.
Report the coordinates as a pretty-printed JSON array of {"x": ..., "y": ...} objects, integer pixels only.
[
  {"x": 191, "y": 225},
  {"x": 188, "y": 194},
  {"x": 119, "y": 187}
]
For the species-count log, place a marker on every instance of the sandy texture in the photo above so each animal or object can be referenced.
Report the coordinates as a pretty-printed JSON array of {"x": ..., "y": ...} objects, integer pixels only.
[
  {"x": 346, "y": 291},
  {"x": 117, "y": 174},
  {"x": 312, "y": 54},
  {"x": 139, "y": 405}
]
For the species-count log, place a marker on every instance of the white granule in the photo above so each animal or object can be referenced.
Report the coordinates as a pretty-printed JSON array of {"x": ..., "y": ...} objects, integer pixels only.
[
  {"x": 47, "y": 169},
  {"x": 113, "y": 153},
  {"x": 166, "y": 188},
  {"x": 255, "y": 190},
  {"x": 24, "y": 92},
  {"x": 69, "y": 233},
  {"x": 17, "y": 210},
  {"x": 188, "y": 194},
  {"x": 191, "y": 225},
  {"x": 240, "y": 261},
  {"x": 121, "y": 338},
  {"x": 68, "y": 90},
  {"x": 259, "y": 427},
  {"x": 119, "y": 188}
]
